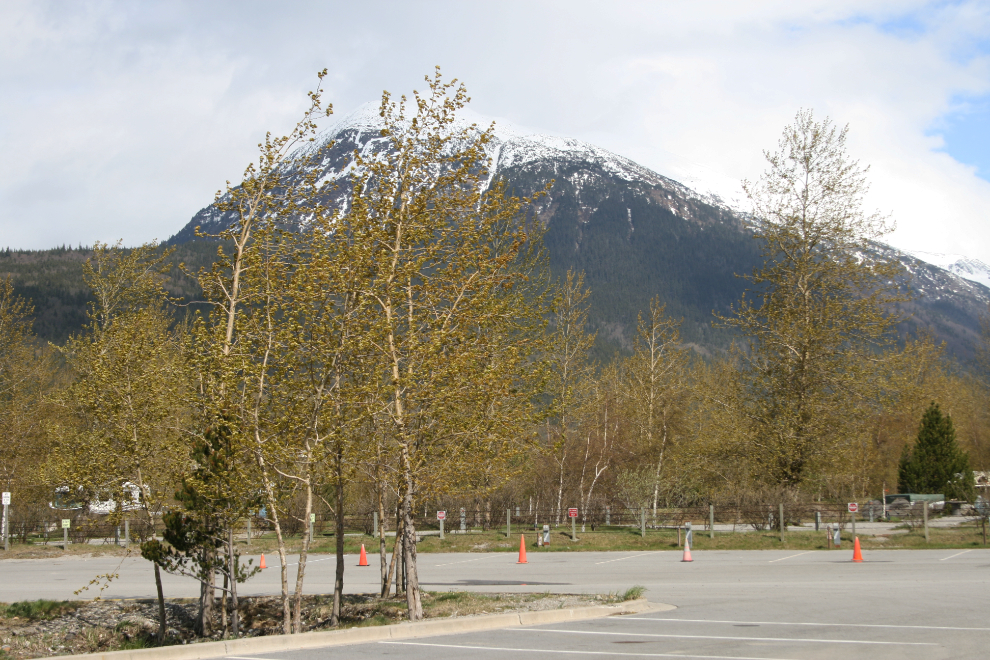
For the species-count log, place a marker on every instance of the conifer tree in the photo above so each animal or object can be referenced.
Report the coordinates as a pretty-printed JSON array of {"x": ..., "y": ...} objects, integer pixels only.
[{"x": 936, "y": 464}]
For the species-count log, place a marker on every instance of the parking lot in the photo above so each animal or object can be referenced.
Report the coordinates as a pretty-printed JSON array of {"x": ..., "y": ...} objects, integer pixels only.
[{"x": 730, "y": 604}]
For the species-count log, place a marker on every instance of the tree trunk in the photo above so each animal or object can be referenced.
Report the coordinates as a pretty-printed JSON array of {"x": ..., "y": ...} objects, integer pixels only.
[
  {"x": 387, "y": 587},
  {"x": 162, "y": 624},
  {"x": 207, "y": 588},
  {"x": 338, "y": 583},
  {"x": 382, "y": 548},
  {"x": 233, "y": 560},
  {"x": 303, "y": 555},
  {"x": 413, "y": 602},
  {"x": 224, "y": 623},
  {"x": 283, "y": 569}
]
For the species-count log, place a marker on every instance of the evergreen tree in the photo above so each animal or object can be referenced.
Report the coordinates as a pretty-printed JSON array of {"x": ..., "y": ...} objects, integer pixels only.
[{"x": 937, "y": 464}]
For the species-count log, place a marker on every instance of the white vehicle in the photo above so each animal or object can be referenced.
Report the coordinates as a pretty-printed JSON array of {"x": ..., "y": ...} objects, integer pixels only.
[{"x": 102, "y": 504}]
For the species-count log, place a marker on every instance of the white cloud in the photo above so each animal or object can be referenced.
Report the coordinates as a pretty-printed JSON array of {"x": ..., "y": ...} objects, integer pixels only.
[{"x": 122, "y": 119}]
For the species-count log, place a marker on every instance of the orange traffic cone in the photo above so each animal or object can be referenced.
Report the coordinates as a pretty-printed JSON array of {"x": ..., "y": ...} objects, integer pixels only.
[
  {"x": 522, "y": 550},
  {"x": 262, "y": 561},
  {"x": 364, "y": 557},
  {"x": 857, "y": 555},
  {"x": 687, "y": 552}
]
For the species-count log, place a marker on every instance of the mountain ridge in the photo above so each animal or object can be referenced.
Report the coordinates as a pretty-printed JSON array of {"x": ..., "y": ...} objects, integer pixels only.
[{"x": 637, "y": 234}]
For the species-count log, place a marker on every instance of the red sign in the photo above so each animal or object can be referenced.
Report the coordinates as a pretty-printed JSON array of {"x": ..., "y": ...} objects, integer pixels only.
[
  {"x": 572, "y": 513},
  {"x": 441, "y": 515},
  {"x": 853, "y": 507}
]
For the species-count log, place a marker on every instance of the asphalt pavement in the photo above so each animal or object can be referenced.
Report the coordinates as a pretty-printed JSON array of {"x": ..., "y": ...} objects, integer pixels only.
[{"x": 731, "y": 604}]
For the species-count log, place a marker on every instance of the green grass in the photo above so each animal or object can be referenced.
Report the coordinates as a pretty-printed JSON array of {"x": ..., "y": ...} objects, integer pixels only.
[
  {"x": 632, "y": 593},
  {"x": 38, "y": 610}
]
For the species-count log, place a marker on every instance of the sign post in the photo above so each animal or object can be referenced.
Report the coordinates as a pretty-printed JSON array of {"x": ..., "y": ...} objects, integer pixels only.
[
  {"x": 6, "y": 525},
  {"x": 572, "y": 513},
  {"x": 508, "y": 523},
  {"x": 463, "y": 519},
  {"x": 783, "y": 525},
  {"x": 853, "y": 508},
  {"x": 65, "y": 534},
  {"x": 441, "y": 516},
  {"x": 312, "y": 520}
]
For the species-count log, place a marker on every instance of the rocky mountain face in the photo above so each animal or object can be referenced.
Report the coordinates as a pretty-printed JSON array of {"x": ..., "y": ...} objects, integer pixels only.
[{"x": 637, "y": 234}]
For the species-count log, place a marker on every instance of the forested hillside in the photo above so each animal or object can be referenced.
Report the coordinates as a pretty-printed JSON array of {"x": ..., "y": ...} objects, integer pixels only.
[{"x": 52, "y": 281}]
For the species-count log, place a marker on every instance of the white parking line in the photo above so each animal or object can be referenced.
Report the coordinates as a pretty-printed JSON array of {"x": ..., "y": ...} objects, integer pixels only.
[
  {"x": 623, "y": 558},
  {"x": 955, "y": 555},
  {"x": 466, "y": 561},
  {"x": 731, "y": 637},
  {"x": 308, "y": 561},
  {"x": 569, "y": 652},
  {"x": 792, "y": 556},
  {"x": 796, "y": 623}
]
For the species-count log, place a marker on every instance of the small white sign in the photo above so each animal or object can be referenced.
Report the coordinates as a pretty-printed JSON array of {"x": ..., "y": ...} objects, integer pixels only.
[
  {"x": 853, "y": 507},
  {"x": 65, "y": 523},
  {"x": 312, "y": 517},
  {"x": 6, "y": 499},
  {"x": 441, "y": 515}
]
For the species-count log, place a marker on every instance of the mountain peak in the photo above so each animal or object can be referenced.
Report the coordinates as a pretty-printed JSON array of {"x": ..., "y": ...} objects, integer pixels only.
[{"x": 965, "y": 267}]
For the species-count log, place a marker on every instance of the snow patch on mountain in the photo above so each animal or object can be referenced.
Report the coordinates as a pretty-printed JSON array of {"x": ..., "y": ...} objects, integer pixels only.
[
  {"x": 513, "y": 146},
  {"x": 967, "y": 268}
]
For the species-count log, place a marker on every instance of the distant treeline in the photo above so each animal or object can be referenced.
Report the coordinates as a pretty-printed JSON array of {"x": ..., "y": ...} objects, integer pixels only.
[{"x": 52, "y": 281}]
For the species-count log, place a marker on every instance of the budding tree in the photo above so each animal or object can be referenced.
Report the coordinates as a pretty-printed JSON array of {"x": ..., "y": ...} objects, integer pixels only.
[{"x": 818, "y": 309}]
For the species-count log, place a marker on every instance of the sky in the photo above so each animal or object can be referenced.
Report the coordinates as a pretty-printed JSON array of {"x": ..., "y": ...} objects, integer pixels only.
[{"x": 120, "y": 120}]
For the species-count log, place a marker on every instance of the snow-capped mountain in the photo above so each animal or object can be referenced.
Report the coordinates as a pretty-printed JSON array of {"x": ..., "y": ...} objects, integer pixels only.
[
  {"x": 637, "y": 234},
  {"x": 967, "y": 268}
]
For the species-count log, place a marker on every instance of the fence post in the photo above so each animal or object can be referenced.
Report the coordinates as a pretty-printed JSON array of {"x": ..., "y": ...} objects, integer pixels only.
[
  {"x": 508, "y": 523},
  {"x": 924, "y": 513},
  {"x": 642, "y": 521},
  {"x": 711, "y": 519},
  {"x": 782, "y": 525},
  {"x": 374, "y": 518}
]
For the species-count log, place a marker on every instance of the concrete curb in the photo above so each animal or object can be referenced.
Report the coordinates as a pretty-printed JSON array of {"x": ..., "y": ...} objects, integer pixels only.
[{"x": 409, "y": 630}]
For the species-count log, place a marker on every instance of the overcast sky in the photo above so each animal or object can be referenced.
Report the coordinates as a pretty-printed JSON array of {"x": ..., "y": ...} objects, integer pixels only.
[{"x": 121, "y": 119}]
